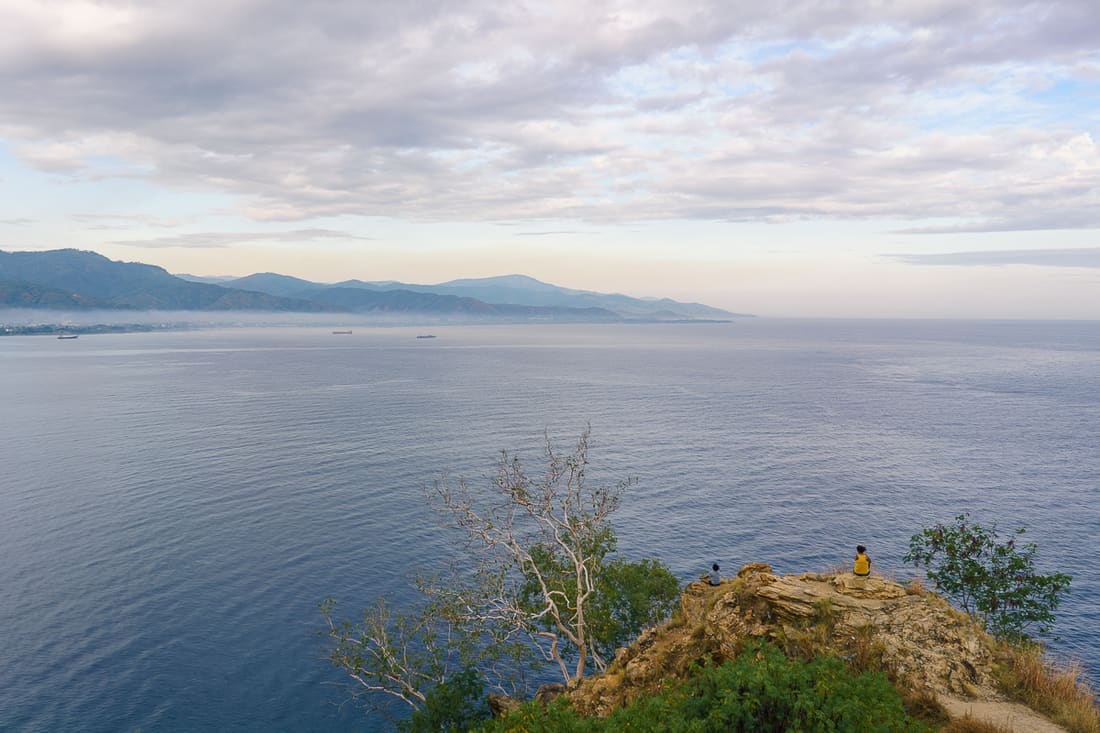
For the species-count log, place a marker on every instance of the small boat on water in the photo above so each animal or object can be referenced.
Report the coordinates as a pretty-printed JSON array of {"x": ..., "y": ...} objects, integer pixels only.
[
  {"x": 68, "y": 336},
  {"x": 341, "y": 333},
  {"x": 427, "y": 336}
]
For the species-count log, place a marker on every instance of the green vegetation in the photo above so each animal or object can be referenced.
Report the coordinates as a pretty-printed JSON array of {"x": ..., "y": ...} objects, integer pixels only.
[
  {"x": 542, "y": 586},
  {"x": 454, "y": 706},
  {"x": 995, "y": 582},
  {"x": 762, "y": 690}
]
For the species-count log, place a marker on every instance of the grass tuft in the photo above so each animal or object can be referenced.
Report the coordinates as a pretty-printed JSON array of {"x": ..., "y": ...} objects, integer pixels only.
[
  {"x": 864, "y": 652},
  {"x": 923, "y": 705},
  {"x": 968, "y": 724},
  {"x": 1057, "y": 691}
]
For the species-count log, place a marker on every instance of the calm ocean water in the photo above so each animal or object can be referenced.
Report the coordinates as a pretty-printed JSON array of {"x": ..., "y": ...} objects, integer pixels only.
[{"x": 174, "y": 505}]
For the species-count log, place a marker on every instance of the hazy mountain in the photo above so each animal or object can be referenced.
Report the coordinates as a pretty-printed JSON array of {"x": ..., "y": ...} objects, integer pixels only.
[
  {"x": 363, "y": 300},
  {"x": 529, "y": 291},
  {"x": 515, "y": 290},
  {"x": 209, "y": 279},
  {"x": 376, "y": 285},
  {"x": 70, "y": 279},
  {"x": 272, "y": 283},
  {"x": 91, "y": 277},
  {"x": 30, "y": 295}
]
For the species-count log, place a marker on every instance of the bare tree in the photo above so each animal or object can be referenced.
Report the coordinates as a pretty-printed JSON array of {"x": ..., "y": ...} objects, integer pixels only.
[
  {"x": 396, "y": 654},
  {"x": 540, "y": 582},
  {"x": 556, "y": 531}
]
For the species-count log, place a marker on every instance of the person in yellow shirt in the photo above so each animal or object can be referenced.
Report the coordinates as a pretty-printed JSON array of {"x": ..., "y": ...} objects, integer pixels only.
[{"x": 863, "y": 563}]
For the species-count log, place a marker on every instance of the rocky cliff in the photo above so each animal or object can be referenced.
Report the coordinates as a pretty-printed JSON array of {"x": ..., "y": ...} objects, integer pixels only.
[{"x": 916, "y": 638}]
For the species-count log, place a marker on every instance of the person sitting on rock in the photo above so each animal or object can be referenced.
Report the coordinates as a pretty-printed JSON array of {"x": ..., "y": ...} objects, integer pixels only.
[
  {"x": 863, "y": 563},
  {"x": 715, "y": 578}
]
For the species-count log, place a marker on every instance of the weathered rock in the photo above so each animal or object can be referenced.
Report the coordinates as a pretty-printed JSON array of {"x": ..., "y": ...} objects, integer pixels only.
[
  {"x": 918, "y": 638},
  {"x": 550, "y": 691},
  {"x": 922, "y": 639},
  {"x": 866, "y": 587},
  {"x": 800, "y": 598},
  {"x": 501, "y": 705},
  {"x": 754, "y": 568}
]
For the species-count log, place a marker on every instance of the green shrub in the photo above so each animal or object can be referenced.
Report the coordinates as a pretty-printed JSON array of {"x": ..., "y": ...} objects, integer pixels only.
[
  {"x": 993, "y": 581},
  {"x": 452, "y": 707},
  {"x": 759, "y": 692}
]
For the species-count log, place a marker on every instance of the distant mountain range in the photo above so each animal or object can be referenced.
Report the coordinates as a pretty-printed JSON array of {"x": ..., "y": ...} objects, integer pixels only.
[{"x": 69, "y": 279}]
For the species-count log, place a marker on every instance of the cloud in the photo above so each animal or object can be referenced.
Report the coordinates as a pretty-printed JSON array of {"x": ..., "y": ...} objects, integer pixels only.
[
  {"x": 608, "y": 111},
  {"x": 1081, "y": 257},
  {"x": 549, "y": 233},
  {"x": 20, "y": 222},
  {"x": 229, "y": 239},
  {"x": 111, "y": 222}
]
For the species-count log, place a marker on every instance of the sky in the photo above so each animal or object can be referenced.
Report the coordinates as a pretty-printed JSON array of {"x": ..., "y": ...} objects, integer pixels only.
[{"x": 791, "y": 158}]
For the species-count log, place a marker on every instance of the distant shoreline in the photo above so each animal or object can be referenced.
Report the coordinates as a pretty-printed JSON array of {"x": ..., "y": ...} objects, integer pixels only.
[{"x": 53, "y": 329}]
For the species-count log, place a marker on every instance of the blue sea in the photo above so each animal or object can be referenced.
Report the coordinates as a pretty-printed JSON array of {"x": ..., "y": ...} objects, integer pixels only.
[{"x": 174, "y": 505}]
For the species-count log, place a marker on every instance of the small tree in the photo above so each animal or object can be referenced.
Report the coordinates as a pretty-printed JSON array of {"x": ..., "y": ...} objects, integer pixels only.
[
  {"x": 993, "y": 581},
  {"x": 540, "y": 579}
]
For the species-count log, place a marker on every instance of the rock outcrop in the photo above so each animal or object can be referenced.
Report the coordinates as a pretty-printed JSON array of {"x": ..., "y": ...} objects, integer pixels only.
[{"x": 914, "y": 637}]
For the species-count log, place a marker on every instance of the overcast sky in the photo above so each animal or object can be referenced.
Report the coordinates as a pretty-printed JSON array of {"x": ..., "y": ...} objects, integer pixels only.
[{"x": 918, "y": 158}]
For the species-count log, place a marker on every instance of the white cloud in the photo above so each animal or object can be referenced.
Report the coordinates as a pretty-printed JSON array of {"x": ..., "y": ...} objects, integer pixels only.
[
  {"x": 217, "y": 240},
  {"x": 1080, "y": 257},
  {"x": 613, "y": 111}
]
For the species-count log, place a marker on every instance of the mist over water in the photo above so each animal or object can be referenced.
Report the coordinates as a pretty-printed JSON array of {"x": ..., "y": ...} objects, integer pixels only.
[{"x": 174, "y": 505}]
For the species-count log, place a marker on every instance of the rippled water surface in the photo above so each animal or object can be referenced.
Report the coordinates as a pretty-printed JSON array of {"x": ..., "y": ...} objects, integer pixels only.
[{"x": 173, "y": 506}]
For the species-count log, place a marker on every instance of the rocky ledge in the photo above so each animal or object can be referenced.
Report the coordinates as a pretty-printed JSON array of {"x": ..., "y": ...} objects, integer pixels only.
[{"x": 913, "y": 636}]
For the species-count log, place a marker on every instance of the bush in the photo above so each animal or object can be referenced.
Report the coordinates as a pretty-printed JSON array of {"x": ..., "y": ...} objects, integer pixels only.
[
  {"x": 759, "y": 692},
  {"x": 993, "y": 581},
  {"x": 452, "y": 707},
  {"x": 630, "y": 597}
]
